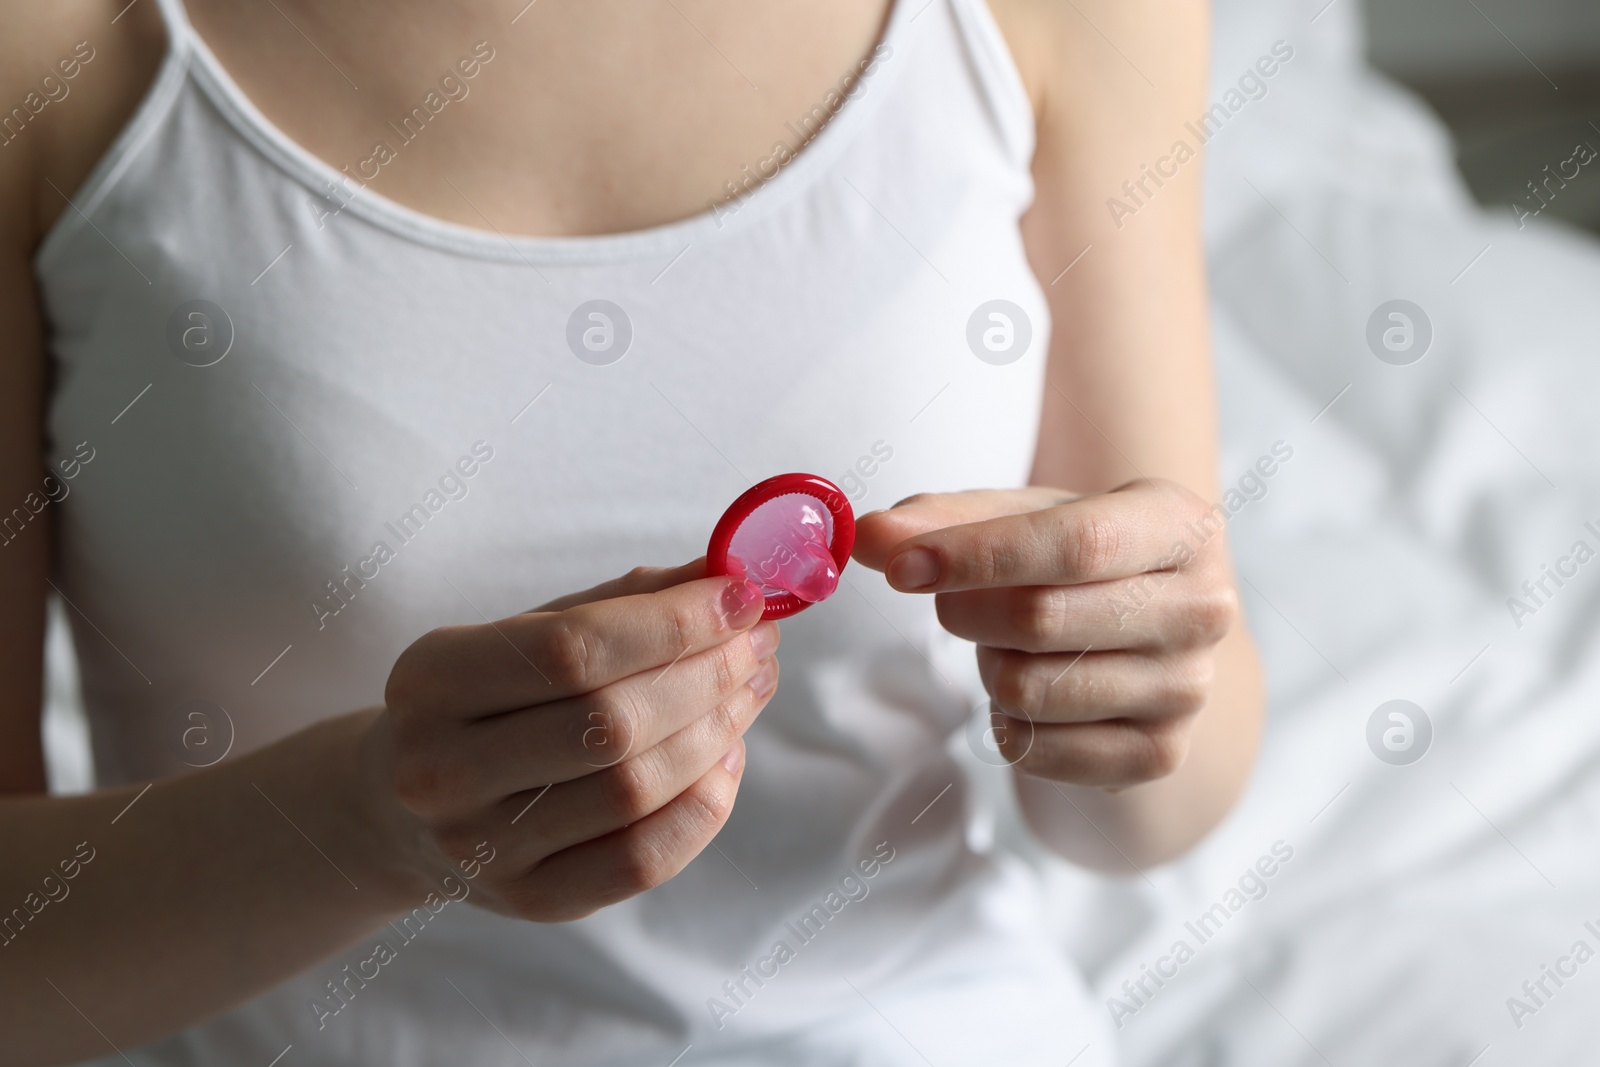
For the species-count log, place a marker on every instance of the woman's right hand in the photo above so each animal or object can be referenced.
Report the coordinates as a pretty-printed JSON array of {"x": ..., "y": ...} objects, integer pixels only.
[{"x": 595, "y": 743}]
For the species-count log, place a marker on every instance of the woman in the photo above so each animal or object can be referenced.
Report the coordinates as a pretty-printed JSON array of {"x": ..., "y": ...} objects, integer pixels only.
[{"x": 303, "y": 325}]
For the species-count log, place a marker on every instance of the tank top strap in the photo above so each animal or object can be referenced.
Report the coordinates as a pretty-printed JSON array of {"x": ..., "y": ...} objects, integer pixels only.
[
  {"x": 158, "y": 98},
  {"x": 175, "y": 19},
  {"x": 997, "y": 75}
]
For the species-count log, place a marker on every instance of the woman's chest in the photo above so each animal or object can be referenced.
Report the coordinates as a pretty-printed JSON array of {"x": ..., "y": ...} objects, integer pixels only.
[{"x": 600, "y": 117}]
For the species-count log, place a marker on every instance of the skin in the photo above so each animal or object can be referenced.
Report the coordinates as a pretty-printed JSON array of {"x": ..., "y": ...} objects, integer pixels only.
[{"x": 1137, "y": 750}]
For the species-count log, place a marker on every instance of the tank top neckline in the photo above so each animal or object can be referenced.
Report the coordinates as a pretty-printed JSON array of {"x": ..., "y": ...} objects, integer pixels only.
[{"x": 186, "y": 53}]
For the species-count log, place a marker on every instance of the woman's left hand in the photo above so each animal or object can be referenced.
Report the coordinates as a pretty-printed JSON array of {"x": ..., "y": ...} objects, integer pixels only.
[{"x": 1096, "y": 617}]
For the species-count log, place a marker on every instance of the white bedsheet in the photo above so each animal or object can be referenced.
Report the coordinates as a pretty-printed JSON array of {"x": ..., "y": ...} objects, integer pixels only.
[{"x": 1419, "y": 898}]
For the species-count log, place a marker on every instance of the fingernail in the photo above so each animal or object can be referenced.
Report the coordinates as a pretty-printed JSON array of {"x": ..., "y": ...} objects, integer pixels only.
[
  {"x": 764, "y": 639},
  {"x": 734, "y": 759},
  {"x": 915, "y": 568},
  {"x": 742, "y": 603},
  {"x": 765, "y": 680}
]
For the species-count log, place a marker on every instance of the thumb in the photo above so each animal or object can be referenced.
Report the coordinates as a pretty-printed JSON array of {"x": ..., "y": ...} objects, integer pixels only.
[
  {"x": 878, "y": 532},
  {"x": 638, "y": 580}
]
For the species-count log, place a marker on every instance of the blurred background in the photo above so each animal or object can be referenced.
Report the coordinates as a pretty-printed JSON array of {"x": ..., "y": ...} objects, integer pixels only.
[{"x": 1517, "y": 82}]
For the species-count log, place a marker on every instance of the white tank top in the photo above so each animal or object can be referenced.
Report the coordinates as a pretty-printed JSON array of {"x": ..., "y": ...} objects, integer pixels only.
[{"x": 280, "y": 372}]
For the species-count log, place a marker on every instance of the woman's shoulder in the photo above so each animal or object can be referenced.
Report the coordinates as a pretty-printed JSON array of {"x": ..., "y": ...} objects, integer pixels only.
[
  {"x": 1083, "y": 54},
  {"x": 72, "y": 72}
]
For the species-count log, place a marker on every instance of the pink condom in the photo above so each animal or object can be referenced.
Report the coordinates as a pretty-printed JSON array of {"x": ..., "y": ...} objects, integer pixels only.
[{"x": 791, "y": 535}]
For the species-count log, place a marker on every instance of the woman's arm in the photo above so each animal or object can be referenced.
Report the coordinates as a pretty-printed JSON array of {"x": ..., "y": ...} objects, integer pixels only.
[
  {"x": 1130, "y": 390},
  {"x": 1104, "y": 609},
  {"x": 127, "y": 917}
]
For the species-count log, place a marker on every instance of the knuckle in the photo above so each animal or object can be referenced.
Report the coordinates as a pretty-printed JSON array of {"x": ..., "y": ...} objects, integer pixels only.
[
  {"x": 400, "y": 691},
  {"x": 1189, "y": 685},
  {"x": 708, "y": 803},
  {"x": 1093, "y": 544},
  {"x": 406, "y": 685},
  {"x": 728, "y": 719},
  {"x": 1159, "y": 753},
  {"x": 419, "y": 782},
  {"x": 630, "y": 790},
  {"x": 609, "y": 724},
  {"x": 1212, "y": 613},
  {"x": 1016, "y": 689},
  {"x": 1039, "y": 617},
  {"x": 409, "y": 729},
  {"x": 643, "y": 865},
  {"x": 456, "y": 841},
  {"x": 682, "y": 623},
  {"x": 1014, "y": 738},
  {"x": 572, "y": 651},
  {"x": 729, "y": 664},
  {"x": 990, "y": 559}
]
